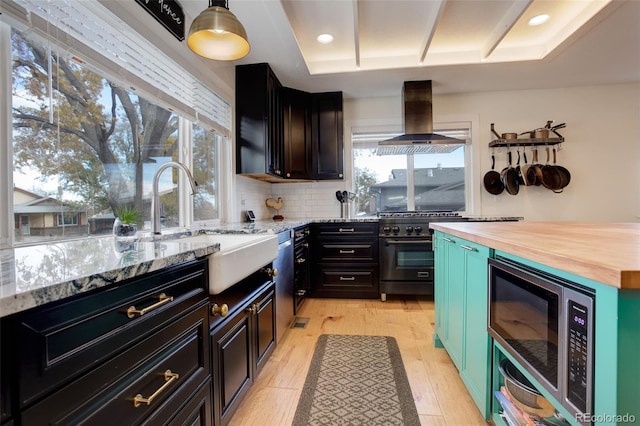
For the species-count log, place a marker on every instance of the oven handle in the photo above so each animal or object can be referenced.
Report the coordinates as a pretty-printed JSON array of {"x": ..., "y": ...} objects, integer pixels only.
[{"x": 391, "y": 242}]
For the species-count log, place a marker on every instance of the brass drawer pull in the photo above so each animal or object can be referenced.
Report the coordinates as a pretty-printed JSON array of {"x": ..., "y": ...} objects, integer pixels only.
[
  {"x": 132, "y": 311},
  {"x": 352, "y": 251},
  {"x": 346, "y": 230},
  {"x": 347, "y": 278},
  {"x": 169, "y": 378}
]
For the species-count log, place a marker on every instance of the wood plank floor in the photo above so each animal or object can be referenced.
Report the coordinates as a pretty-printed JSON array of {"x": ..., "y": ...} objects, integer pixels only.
[{"x": 439, "y": 394}]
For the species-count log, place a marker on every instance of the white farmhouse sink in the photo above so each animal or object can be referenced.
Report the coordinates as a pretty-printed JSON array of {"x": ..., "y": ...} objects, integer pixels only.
[{"x": 240, "y": 255}]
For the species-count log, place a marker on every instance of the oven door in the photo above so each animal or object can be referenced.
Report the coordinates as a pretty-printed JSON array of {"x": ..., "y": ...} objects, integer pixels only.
[{"x": 406, "y": 259}]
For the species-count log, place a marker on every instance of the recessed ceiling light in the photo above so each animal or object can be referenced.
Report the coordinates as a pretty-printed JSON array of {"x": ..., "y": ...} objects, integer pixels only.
[
  {"x": 538, "y": 20},
  {"x": 325, "y": 38}
]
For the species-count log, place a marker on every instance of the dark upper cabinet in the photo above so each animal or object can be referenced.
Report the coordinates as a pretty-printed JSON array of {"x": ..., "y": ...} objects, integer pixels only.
[
  {"x": 283, "y": 132},
  {"x": 327, "y": 136},
  {"x": 259, "y": 147},
  {"x": 296, "y": 106}
]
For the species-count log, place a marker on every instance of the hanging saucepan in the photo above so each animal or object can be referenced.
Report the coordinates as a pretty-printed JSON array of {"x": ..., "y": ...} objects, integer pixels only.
[
  {"x": 492, "y": 182},
  {"x": 510, "y": 178},
  {"x": 534, "y": 172},
  {"x": 565, "y": 176},
  {"x": 539, "y": 133},
  {"x": 524, "y": 170},
  {"x": 503, "y": 135},
  {"x": 551, "y": 178}
]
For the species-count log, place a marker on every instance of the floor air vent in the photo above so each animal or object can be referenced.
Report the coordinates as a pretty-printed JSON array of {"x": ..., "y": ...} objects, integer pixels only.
[{"x": 300, "y": 322}]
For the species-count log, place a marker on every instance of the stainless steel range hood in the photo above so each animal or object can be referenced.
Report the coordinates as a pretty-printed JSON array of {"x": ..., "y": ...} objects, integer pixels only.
[{"x": 418, "y": 125}]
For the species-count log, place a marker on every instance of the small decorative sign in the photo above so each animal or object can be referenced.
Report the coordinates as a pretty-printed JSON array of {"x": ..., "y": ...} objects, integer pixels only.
[{"x": 168, "y": 12}]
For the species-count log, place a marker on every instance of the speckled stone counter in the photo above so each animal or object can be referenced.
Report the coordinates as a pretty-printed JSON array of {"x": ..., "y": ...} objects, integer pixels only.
[{"x": 34, "y": 275}]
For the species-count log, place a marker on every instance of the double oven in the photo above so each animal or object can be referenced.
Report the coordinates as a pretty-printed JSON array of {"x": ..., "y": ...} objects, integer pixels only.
[{"x": 406, "y": 258}]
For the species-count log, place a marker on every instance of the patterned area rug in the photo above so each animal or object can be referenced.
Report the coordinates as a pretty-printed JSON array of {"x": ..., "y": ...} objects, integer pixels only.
[{"x": 356, "y": 380}]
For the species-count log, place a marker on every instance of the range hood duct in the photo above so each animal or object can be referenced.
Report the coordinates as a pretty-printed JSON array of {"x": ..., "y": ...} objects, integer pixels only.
[{"x": 418, "y": 125}]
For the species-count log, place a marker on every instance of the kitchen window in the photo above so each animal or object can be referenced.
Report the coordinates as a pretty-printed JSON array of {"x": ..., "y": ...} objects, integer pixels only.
[
  {"x": 404, "y": 181},
  {"x": 86, "y": 144}
]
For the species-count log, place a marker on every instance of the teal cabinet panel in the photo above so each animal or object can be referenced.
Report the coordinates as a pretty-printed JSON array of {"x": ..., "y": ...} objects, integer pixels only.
[
  {"x": 461, "y": 312},
  {"x": 455, "y": 303},
  {"x": 477, "y": 342}
]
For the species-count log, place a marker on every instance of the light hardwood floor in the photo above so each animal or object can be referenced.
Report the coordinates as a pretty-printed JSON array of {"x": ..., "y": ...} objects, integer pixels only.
[{"x": 438, "y": 392}]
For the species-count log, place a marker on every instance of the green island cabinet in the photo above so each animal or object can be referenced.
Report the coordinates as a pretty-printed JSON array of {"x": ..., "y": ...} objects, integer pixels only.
[
  {"x": 461, "y": 310},
  {"x": 616, "y": 353},
  {"x": 461, "y": 305}
]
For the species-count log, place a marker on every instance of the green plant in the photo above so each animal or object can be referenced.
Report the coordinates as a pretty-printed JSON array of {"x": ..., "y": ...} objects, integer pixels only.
[{"x": 128, "y": 215}]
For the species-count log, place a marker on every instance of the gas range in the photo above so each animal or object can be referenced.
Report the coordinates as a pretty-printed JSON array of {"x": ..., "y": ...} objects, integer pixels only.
[{"x": 412, "y": 224}]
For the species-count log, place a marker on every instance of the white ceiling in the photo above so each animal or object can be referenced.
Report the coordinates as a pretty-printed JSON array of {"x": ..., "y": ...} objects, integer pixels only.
[{"x": 467, "y": 45}]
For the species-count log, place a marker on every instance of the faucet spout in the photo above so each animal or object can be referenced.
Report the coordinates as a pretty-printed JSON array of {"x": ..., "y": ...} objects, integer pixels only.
[{"x": 155, "y": 200}]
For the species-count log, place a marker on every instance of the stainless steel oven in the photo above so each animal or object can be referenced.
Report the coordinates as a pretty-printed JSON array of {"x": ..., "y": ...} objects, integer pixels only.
[
  {"x": 406, "y": 251},
  {"x": 546, "y": 323}
]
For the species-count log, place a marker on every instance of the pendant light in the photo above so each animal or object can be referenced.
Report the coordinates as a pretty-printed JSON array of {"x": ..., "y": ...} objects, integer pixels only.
[{"x": 217, "y": 34}]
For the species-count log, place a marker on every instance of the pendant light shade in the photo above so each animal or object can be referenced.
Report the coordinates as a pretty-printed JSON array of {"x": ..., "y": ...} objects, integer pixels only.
[{"x": 217, "y": 34}]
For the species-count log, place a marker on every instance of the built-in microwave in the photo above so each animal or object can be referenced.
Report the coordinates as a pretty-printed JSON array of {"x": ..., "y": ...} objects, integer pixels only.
[{"x": 546, "y": 323}]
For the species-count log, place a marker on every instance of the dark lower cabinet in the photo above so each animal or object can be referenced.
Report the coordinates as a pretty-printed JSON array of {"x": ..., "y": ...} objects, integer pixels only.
[
  {"x": 345, "y": 260},
  {"x": 242, "y": 342},
  {"x": 135, "y": 353}
]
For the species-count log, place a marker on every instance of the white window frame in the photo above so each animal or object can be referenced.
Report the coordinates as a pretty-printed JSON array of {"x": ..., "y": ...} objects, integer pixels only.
[
  {"x": 444, "y": 123},
  {"x": 213, "y": 112}
]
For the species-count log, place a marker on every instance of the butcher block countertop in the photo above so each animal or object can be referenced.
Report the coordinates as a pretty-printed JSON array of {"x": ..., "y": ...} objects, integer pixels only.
[{"x": 605, "y": 252}]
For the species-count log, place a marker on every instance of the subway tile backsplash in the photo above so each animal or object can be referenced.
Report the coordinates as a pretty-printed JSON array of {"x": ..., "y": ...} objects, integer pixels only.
[{"x": 313, "y": 200}]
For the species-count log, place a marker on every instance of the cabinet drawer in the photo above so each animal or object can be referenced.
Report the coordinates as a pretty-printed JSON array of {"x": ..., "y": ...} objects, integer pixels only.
[
  {"x": 348, "y": 251},
  {"x": 179, "y": 410},
  {"x": 358, "y": 281},
  {"x": 62, "y": 342},
  {"x": 174, "y": 359},
  {"x": 345, "y": 229}
]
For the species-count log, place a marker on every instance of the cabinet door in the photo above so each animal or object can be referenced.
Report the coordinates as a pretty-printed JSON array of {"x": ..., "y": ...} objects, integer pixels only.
[
  {"x": 455, "y": 302},
  {"x": 327, "y": 136},
  {"x": 477, "y": 342},
  {"x": 258, "y": 120},
  {"x": 231, "y": 366},
  {"x": 441, "y": 281},
  {"x": 296, "y": 108},
  {"x": 265, "y": 329}
]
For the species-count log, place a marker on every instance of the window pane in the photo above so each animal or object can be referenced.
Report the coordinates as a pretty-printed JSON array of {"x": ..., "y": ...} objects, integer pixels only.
[
  {"x": 205, "y": 172},
  {"x": 437, "y": 176},
  {"x": 83, "y": 146},
  {"x": 380, "y": 181},
  {"x": 439, "y": 181}
]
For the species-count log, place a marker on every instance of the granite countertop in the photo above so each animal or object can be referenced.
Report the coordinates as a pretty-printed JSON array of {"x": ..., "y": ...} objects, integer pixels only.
[
  {"x": 34, "y": 275},
  {"x": 608, "y": 253}
]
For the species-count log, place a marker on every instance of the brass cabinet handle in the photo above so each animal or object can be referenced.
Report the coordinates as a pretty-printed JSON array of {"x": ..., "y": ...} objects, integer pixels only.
[
  {"x": 346, "y": 230},
  {"x": 352, "y": 251},
  {"x": 272, "y": 272},
  {"x": 163, "y": 298},
  {"x": 223, "y": 309},
  {"x": 169, "y": 378},
  {"x": 469, "y": 248},
  {"x": 253, "y": 309},
  {"x": 347, "y": 278},
  {"x": 301, "y": 260}
]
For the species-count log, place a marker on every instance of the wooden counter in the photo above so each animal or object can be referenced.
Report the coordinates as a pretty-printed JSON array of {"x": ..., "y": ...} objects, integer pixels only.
[{"x": 605, "y": 252}]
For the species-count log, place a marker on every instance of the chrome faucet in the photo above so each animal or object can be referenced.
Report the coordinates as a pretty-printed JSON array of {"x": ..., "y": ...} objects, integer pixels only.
[{"x": 155, "y": 200}]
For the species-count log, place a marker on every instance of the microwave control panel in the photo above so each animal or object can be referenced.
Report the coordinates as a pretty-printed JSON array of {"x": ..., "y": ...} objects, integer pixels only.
[{"x": 578, "y": 354}]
